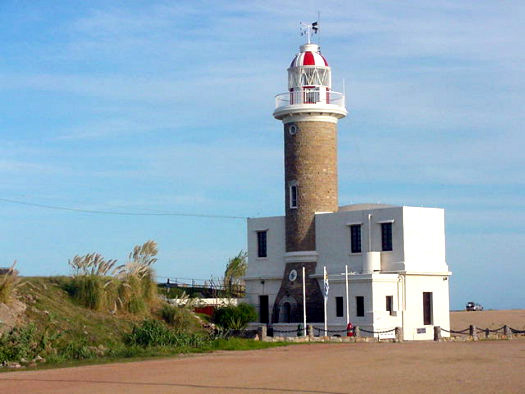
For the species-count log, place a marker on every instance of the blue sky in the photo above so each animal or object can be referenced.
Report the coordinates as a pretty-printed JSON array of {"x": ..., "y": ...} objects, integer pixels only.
[{"x": 152, "y": 106}]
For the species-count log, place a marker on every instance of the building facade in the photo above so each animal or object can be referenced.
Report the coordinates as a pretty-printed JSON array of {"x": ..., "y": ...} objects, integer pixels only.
[{"x": 395, "y": 256}]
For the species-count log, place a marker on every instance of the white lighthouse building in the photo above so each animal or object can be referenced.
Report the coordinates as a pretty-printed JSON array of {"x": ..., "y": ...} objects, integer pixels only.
[{"x": 394, "y": 255}]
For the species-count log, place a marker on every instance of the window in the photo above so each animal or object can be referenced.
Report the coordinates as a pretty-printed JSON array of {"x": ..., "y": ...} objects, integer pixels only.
[
  {"x": 390, "y": 304},
  {"x": 339, "y": 306},
  {"x": 386, "y": 236},
  {"x": 355, "y": 238},
  {"x": 360, "y": 306},
  {"x": 293, "y": 195},
  {"x": 427, "y": 308},
  {"x": 261, "y": 244}
]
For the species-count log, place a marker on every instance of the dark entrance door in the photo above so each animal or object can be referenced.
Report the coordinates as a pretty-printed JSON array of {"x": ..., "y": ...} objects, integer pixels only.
[
  {"x": 263, "y": 309},
  {"x": 427, "y": 308}
]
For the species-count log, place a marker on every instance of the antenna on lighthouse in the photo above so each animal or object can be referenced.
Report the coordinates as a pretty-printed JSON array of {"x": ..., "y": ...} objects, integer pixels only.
[{"x": 307, "y": 29}]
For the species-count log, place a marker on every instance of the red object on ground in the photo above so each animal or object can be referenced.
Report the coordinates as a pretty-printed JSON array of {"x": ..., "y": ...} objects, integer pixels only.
[{"x": 349, "y": 330}]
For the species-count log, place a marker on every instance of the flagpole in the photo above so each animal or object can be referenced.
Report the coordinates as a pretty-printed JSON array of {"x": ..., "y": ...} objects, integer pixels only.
[
  {"x": 325, "y": 301},
  {"x": 347, "y": 300},
  {"x": 304, "y": 303}
]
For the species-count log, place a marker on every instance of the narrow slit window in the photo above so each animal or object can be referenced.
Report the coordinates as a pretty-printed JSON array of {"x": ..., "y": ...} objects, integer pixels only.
[{"x": 293, "y": 196}]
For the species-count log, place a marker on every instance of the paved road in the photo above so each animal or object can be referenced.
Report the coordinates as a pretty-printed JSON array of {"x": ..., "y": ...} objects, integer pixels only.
[{"x": 492, "y": 366}]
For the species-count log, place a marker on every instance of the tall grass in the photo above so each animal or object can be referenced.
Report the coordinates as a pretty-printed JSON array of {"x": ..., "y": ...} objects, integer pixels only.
[
  {"x": 99, "y": 284},
  {"x": 8, "y": 282}
]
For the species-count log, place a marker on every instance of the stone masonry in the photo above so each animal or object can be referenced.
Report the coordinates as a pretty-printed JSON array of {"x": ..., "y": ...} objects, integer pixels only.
[
  {"x": 292, "y": 292},
  {"x": 310, "y": 160}
]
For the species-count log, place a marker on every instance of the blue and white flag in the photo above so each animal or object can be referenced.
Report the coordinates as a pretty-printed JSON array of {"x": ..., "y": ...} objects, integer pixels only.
[{"x": 326, "y": 284}]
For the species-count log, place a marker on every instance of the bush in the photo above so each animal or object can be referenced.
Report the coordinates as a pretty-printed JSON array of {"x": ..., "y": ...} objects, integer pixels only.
[
  {"x": 155, "y": 333},
  {"x": 20, "y": 342},
  {"x": 234, "y": 317},
  {"x": 179, "y": 317}
]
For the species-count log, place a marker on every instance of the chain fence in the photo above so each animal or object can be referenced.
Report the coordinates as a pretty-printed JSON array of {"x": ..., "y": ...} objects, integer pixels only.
[{"x": 470, "y": 330}]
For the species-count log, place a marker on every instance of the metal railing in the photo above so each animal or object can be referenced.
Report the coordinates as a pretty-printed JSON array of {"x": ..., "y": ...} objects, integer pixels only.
[{"x": 309, "y": 96}]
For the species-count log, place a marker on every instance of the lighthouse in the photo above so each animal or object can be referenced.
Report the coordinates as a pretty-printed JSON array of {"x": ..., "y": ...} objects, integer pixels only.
[
  {"x": 385, "y": 264},
  {"x": 309, "y": 112}
]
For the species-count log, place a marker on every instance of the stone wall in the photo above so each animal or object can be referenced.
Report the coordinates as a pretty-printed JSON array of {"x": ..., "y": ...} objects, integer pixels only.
[
  {"x": 310, "y": 160},
  {"x": 292, "y": 292}
]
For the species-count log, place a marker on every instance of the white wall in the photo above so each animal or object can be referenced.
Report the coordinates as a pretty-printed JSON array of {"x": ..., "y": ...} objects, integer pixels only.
[
  {"x": 415, "y": 286},
  {"x": 424, "y": 234},
  {"x": 264, "y": 274},
  {"x": 273, "y": 265},
  {"x": 333, "y": 238}
]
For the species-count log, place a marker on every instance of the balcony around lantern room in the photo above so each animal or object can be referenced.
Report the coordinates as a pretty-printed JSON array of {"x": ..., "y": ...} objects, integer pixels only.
[{"x": 310, "y": 101}]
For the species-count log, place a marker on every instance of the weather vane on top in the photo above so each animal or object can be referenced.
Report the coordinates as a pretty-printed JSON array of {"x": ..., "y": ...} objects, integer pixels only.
[{"x": 309, "y": 29}]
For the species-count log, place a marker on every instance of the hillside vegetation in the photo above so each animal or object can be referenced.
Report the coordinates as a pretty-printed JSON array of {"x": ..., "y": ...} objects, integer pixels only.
[{"x": 104, "y": 311}]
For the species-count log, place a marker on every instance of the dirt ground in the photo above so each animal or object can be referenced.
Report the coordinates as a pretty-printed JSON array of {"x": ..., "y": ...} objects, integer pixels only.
[
  {"x": 485, "y": 366},
  {"x": 491, "y": 319}
]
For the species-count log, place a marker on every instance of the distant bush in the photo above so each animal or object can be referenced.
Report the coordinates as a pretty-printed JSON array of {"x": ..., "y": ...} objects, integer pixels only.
[
  {"x": 8, "y": 283},
  {"x": 234, "y": 317},
  {"x": 155, "y": 333},
  {"x": 181, "y": 318}
]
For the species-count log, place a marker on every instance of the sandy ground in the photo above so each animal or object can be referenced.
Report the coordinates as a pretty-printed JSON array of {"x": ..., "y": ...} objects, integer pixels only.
[
  {"x": 491, "y": 319},
  {"x": 487, "y": 366}
]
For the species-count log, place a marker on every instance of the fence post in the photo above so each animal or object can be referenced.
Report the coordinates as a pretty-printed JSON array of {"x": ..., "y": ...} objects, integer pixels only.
[
  {"x": 261, "y": 331},
  {"x": 399, "y": 334},
  {"x": 357, "y": 332},
  {"x": 487, "y": 332},
  {"x": 437, "y": 333},
  {"x": 311, "y": 331},
  {"x": 473, "y": 332},
  {"x": 507, "y": 332}
]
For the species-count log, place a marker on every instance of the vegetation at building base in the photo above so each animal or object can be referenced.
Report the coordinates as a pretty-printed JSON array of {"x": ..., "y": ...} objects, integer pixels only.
[
  {"x": 234, "y": 317},
  {"x": 105, "y": 312}
]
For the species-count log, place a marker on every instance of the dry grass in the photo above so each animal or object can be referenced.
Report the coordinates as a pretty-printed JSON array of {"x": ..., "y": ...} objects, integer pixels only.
[{"x": 8, "y": 284}]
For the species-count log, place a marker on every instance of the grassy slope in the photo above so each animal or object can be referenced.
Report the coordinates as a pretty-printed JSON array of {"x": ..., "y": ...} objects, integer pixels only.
[{"x": 50, "y": 306}]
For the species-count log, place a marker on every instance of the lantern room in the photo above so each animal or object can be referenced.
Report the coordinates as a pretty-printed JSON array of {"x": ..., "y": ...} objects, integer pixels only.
[{"x": 309, "y": 87}]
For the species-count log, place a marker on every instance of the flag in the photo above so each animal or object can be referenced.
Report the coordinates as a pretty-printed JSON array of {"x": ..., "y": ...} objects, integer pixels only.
[
  {"x": 315, "y": 27},
  {"x": 326, "y": 284}
]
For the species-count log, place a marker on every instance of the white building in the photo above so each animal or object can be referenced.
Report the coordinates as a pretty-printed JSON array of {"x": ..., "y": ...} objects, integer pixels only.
[{"x": 395, "y": 256}]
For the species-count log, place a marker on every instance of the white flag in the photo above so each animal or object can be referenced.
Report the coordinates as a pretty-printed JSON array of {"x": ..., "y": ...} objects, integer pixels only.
[{"x": 326, "y": 284}]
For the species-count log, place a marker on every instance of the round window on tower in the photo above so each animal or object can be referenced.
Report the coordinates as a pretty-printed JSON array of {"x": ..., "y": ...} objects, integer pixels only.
[{"x": 292, "y": 129}]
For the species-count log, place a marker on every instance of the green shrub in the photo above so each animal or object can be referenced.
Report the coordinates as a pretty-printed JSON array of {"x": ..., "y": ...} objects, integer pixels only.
[
  {"x": 78, "y": 350},
  {"x": 180, "y": 318},
  {"x": 234, "y": 317},
  {"x": 20, "y": 342},
  {"x": 155, "y": 333}
]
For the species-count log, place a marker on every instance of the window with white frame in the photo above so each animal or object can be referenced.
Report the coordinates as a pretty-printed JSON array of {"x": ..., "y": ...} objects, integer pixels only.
[
  {"x": 355, "y": 238},
  {"x": 261, "y": 244}
]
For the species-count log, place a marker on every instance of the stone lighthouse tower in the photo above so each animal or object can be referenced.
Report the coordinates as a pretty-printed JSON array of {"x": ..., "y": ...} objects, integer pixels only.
[{"x": 309, "y": 112}]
